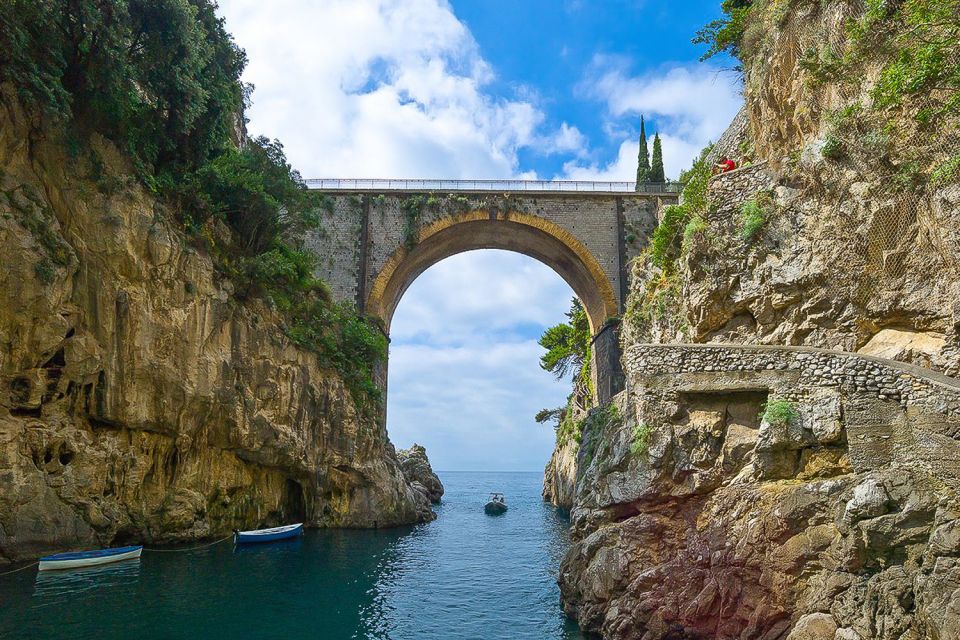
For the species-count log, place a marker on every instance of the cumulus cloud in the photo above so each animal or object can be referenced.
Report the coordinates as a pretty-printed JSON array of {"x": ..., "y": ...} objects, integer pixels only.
[
  {"x": 488, "y": 293},
  {"x": 465, "y": 379},
  {"x": 382, "y": 88},
  {"x": 691, "y": 105}
]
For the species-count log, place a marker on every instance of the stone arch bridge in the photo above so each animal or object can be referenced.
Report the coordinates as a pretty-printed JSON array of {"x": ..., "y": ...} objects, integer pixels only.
[{"x": 377, "y": 236}]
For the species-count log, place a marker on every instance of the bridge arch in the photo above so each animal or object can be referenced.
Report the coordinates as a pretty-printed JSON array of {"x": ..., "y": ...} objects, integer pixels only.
[
  {"x": 586, "y": 232},
  {"x": 524, "y": 233}
]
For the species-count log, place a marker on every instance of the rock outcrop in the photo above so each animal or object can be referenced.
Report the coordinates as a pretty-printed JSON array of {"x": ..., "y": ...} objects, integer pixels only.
[
  {"x": 138, "y": 399},
  {"x": 417, "y": 470},
  {"x": 726, "y": 521},
  {"x": 769, "y": 492},
  {"x": 560, "y": 475}
]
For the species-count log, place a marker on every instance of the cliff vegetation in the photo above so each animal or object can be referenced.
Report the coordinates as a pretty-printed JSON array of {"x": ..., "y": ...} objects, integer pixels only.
[{"x": 170, "y": 368}]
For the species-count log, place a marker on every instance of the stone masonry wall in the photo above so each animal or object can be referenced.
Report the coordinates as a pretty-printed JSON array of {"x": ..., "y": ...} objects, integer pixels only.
[
  {"x": 732, "y": 189},
  {"x": 889, "y": 409},
  {"x": 601, "y": 222}
]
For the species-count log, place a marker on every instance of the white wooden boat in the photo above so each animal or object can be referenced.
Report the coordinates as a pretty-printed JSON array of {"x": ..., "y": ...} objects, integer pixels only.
[
  {"x": 268, "y": 535},
  {"x": 75, "y": 559}
]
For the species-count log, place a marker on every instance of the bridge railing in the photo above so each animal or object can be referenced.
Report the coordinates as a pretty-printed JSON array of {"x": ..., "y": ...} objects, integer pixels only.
[{"x": 584, "y": 186}]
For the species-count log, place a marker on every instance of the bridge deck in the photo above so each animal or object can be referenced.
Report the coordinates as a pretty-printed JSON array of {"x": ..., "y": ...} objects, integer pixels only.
[{"x": 381, "y": 185}]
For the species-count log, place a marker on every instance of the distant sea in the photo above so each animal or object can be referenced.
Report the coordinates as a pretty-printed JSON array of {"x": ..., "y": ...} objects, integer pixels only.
[{"x": 465, "y": 575}]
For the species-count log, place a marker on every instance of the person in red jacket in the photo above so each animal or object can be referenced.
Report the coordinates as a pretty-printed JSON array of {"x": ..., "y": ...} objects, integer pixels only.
[{"x": 726, "y": 165}]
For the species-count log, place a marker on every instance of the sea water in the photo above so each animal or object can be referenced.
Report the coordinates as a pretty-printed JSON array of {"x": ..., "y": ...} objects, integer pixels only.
[{"x": 465, "y": 575}]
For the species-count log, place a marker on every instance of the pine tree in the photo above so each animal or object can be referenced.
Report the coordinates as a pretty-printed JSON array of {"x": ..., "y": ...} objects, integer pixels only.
[
  {"x": 643, "y": 158},
  {"x": 656, "y": 167}
]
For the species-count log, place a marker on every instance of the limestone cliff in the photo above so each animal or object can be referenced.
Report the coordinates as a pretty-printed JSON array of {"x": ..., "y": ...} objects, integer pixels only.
[
  {"x": 778, "y": 492},
  {"x": 418, "y": 472},
  {"x": 851, "y": 252},
  {"x": 138, "y": 399},
  {"x": 560, "y": 475}
]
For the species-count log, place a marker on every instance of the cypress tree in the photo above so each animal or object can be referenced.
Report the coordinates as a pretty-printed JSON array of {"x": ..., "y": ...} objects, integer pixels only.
[
  {"x": 643, "y": 158},
  {"x": 656, "y": 167}
]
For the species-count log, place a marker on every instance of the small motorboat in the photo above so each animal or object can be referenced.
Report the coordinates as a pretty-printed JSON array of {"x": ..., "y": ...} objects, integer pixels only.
[
  {"x": 75, "y": 559},
  {"x": 268, "y": 535},
  {"x": 496, "y": 506}
]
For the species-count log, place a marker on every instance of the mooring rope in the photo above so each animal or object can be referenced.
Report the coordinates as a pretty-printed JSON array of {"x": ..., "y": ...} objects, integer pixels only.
[
  {"x": 202, "y": 546},
  {"x": 32, "y": 564}
]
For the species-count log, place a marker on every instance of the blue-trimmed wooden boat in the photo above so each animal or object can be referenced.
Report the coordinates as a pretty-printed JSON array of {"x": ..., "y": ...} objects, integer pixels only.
[
  {"x": 268, "y": 535},
  {"x": 75, "y": 559}
]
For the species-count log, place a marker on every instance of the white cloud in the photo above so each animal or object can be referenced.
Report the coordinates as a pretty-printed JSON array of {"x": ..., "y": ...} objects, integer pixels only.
[
  {"x": 381, "y": 88},
  {"x": 567, "y": 139},
  {"x": 692, "y": 105},
  {"x": 492, "y": 293},
  {"x": 465, "y": 379}
]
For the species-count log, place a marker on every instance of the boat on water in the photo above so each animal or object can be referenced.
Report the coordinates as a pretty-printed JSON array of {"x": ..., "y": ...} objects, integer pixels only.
[
  {"x": 268, "y": 535},
  {"x": 496, "y": 506},
  {"x": 76, "y": 559}
]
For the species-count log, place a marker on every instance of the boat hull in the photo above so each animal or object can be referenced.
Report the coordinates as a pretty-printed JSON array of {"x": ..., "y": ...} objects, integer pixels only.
[
  {"x": 495, "y": 508},
  {"x": 78, "y": 559},
  {"x": 268, "y": 535}
]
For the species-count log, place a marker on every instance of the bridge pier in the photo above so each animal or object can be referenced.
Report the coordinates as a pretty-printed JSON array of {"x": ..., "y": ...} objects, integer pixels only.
[{"x": 608, "y": 377}]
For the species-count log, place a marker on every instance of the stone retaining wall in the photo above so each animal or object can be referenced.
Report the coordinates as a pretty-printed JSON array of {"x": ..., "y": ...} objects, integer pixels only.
[
  {"x": 907, "y": 384},
  {"x": 730, "y": 190},
  {"x": 885, "y": 411}
]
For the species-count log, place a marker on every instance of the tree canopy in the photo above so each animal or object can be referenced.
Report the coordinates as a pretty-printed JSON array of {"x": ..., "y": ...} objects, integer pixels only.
[
  {"x": 643, "y": 157},
  {"x": 657, "y": 175},
  {"x": 567, "y": 344},
  {"x": 161, "y": 78}
]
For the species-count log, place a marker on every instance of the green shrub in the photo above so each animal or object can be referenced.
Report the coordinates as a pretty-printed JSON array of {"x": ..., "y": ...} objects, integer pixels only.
[
  {"x": 641, "y": 439},
  {"x": 697, "y": 226},
  {"x": 752, "y": 219},
  {"x": 779, "y": 413},
  {"x": 666, "y": 241},
  {"x": 567, "y": 348},
  {"x": 254, "y": 190},
  {"x": 412, "y": 208},
  {"x": 725, "y": 34},
  {"x": 832, "y": 148},
  {"x": 45, "y": 271},
  {"x": 947, "y": 172}
]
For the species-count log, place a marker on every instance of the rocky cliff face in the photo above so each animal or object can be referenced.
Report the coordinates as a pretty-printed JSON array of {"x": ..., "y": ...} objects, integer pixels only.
[
  {"x": 849, "y": 240},
  {"x": 138, "y": 399},
  {"x": 704, "y": 515},
  {"x": 418, "y": 472},
  {"x": 560, "y": 475}
]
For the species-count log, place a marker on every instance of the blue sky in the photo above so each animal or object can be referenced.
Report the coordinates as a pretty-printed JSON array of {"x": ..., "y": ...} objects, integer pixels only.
[{"x": 479, "y": 89}]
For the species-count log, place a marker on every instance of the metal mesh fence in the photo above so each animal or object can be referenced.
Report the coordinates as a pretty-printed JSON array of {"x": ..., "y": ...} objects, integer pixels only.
[{"x": 895, "y": 231}]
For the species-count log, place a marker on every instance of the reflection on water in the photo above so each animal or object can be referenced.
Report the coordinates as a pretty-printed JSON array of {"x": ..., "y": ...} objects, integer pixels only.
[
  {"x": 281, "y": 547},
  {"x": 53, "y": 587},
  {"x": 466, "y": 575}
]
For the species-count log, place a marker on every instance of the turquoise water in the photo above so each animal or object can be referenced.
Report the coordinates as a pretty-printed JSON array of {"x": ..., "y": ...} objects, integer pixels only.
[{"x": 465, "y": 575}]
